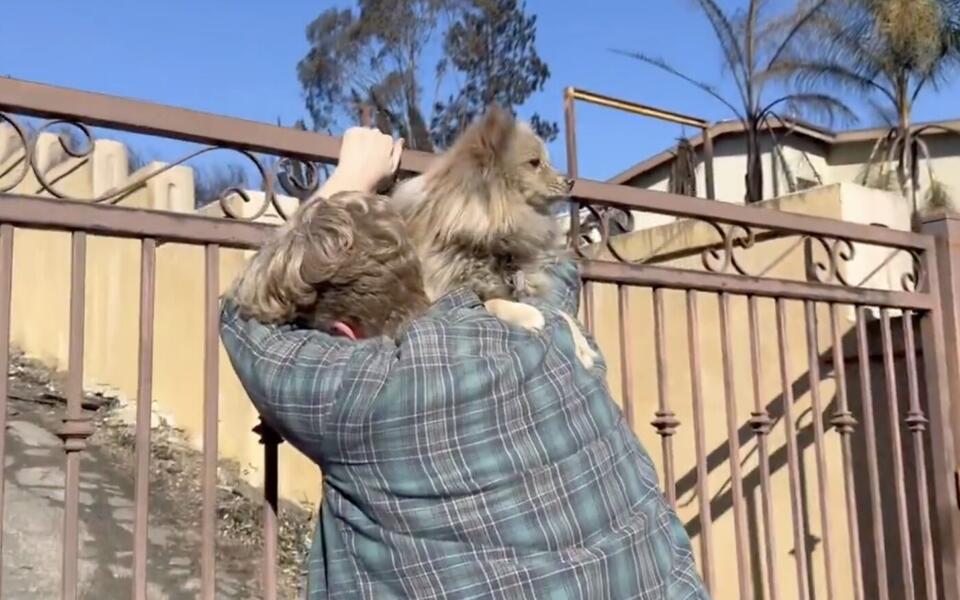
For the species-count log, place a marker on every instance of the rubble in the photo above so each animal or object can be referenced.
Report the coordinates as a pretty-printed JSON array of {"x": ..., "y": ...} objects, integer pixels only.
[{"x": 175, "y": 482}]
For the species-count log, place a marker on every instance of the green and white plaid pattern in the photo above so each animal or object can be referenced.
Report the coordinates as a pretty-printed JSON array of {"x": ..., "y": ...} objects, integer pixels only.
[{"x": 467, "y": 459}]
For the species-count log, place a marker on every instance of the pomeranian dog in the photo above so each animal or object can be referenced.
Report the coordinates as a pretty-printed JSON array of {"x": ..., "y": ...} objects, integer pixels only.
[{"x": 482, "y": 218}]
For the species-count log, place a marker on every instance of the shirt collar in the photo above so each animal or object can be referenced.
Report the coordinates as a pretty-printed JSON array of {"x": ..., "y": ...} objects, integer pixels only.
[{"x": 459, "y": 298}]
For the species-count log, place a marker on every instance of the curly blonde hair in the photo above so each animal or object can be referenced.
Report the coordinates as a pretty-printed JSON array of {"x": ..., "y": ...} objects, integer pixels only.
[{"x": 346, "y": 258}]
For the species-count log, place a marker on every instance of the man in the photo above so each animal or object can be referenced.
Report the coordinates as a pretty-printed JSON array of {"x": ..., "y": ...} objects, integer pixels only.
[{"x": 462, "y": 457}]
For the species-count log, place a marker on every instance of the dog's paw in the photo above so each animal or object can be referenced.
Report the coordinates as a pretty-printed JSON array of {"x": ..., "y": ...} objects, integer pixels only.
[
  {"x": 516, "y": 313},
  {"x": 581, "y": 347}
]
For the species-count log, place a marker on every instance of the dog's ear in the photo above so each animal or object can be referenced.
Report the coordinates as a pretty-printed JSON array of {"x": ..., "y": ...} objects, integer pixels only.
[{"x": 486, "y": 140}]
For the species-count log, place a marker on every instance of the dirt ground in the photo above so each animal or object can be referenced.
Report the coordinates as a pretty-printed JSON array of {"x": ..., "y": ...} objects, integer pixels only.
[{"x": 33, "y": 519}]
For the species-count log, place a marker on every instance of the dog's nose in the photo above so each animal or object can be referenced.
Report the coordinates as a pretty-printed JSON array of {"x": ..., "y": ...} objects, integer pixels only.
[{"x": 568, "y": 184}]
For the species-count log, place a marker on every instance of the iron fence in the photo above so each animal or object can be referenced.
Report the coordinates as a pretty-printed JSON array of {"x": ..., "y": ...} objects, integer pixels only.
[{"x": 899, "y": 505}]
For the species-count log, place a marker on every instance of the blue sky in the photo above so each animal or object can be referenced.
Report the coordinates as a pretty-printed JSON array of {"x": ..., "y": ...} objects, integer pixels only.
[{"x": 240, "y": 61}]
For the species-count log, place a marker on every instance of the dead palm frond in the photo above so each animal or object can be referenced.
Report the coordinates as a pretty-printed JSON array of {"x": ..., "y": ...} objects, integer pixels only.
[
  {"x": 683, "y": 170},
  {"x": 938, "y": 198}
]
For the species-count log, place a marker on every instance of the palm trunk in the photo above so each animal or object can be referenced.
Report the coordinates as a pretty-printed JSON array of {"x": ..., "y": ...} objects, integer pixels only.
[
  {"x": 905, "y": 168},
  {"x": 754, "y": 178}
]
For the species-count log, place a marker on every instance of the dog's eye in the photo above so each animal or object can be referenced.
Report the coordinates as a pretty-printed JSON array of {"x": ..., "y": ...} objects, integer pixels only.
[{"x": 535, "y": 163}]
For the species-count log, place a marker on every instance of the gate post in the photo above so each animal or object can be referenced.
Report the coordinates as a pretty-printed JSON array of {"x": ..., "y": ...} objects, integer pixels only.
[
  {"x": 945, "y": 228},
  {"x": 941, "y": 357}
]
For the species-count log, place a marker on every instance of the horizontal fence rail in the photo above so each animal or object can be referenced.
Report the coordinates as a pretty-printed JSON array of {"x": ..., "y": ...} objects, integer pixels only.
[
  {"x": 98, "y": 110},
  {"x": 802, "y": 418}
]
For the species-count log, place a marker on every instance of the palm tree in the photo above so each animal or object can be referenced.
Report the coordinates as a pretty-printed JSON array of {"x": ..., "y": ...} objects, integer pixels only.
[
  {"x": 888, "y": 52},
  {"x": 754, "y": 45}
]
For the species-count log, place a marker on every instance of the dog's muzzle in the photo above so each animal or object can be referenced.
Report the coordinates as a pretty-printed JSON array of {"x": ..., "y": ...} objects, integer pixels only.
[{"x": 567, "y": 185}]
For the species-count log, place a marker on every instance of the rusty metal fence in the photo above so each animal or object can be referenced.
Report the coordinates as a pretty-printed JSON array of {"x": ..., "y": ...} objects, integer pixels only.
[{"x": 889, "y": 417}]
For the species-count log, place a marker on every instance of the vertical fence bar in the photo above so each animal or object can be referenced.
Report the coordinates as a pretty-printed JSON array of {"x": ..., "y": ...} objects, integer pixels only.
[
  {"x": 588, "y": 297},
  {"x": 903, "y": 525},
  {"x": 793, "y": 459},
  {"x": 665, "y": 420},
  {"x": 570, "y": 118},
  {"x": 733, "y": 443},
  {"x": 211, "y": 368},
  {"x": 148, "y": 248},
  {"x": 626, "y": 352},
  {"x": 823, "y": 491},
  {"x": 845, "y": 424},
  {"x": 700, "y": 439},
  {"x": 917, "y": 422},
  {"x": 76, "y": 427},
  {"x": 760, "y": 422},
  {"x": 6, "y": 287},
  {"x": 873, "y": 470},
  {"x": 270, "y": 441},
  {"x": 570, "y": 137}
]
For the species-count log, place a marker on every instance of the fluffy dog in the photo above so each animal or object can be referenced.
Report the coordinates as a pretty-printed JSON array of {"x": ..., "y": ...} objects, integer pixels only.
[{"x": 482, "y": 218}]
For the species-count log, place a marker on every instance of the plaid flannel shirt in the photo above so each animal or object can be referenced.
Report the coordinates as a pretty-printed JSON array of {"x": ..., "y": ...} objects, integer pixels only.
[{"x": 466, "y": 459}]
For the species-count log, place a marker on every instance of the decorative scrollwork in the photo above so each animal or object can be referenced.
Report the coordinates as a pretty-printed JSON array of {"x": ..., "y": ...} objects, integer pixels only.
[
  {"x": 297, "y": 178},
  {"x": 23, "y": 166},
  {"x": 838, "y": 251},
  {"x": 598, "y": 229},
  {"x": 828, "y": 259},
  {"x": 592, "y": 232},
  {"x": 720, "y": 259},
  {"x": 915, "y": 279}
]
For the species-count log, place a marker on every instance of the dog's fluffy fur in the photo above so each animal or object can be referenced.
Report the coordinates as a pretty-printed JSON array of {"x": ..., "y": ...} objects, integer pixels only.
[
  {"x": 481, "y": 217},
  {"x": 345, "y": 259}
]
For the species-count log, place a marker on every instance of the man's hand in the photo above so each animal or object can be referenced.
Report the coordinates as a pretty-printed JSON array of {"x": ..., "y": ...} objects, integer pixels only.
[{"x": 367, "y": 157}]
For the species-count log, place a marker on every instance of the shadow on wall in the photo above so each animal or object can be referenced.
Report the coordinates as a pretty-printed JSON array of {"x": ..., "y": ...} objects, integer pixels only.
[{"x": 887, "y": 537}]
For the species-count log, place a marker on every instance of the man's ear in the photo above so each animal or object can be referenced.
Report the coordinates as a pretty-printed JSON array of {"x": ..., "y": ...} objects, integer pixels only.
[{"x": 341, "y": 329}]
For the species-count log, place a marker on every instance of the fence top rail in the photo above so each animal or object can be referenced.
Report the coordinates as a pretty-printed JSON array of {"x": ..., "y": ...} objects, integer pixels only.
[
  {"x": 136, "y": 116},
  {"x": 163, "y": 226},
  {"x": 635, "y": 107},
  {"x": 120, "y": 221},
  {"x": 684, "y": 279},
  {"x": 51, "y": 102}
]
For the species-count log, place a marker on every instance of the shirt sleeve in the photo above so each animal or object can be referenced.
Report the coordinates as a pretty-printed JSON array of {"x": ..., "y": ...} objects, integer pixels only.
[
  {"x": 292, "y": 375},
  {"x": 564, "y": 294}
]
